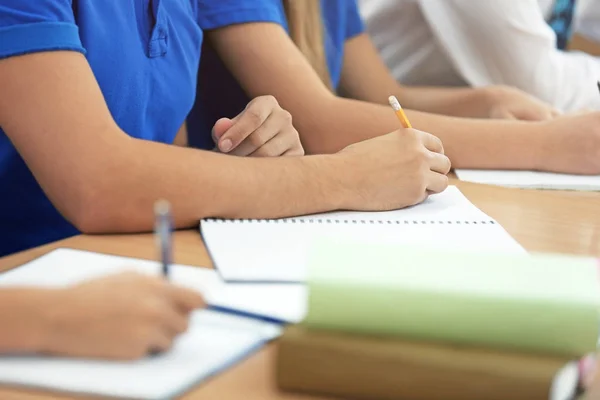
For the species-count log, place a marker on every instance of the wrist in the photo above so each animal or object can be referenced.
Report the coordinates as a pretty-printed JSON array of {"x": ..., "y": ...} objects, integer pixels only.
[
  {"x": 50, "y": 318},
  {"x": 541, "y": 136},
  {"x": 335, "y": 180},
  {"x": 534, "y": 145},
  {"x": 28, "y": 328}
]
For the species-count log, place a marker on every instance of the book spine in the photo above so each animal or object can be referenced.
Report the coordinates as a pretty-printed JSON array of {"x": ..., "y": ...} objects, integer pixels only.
[{"x": 360, "y": 367}]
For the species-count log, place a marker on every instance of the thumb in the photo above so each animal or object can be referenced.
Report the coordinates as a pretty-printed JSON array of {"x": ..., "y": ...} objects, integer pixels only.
[{"x": 221, "y": 126}]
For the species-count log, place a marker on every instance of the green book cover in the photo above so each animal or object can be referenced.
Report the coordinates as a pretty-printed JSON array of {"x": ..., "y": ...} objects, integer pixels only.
[{"x": 539, "y": 303}]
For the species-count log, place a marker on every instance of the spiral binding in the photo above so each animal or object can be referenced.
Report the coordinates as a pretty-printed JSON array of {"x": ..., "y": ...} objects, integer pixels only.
[{"x": 316, "y": 221}]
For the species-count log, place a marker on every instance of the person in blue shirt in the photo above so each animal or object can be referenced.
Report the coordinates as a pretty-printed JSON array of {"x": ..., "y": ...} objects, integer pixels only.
[
  {"x": 93, "y": 95},
  {"x": 316, "y": 59}
]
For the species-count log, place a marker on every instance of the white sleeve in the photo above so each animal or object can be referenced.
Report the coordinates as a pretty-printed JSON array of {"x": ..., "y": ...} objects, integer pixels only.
[
  {"x": 509, "y": 42},
  {"x": 588, "y": 23}
]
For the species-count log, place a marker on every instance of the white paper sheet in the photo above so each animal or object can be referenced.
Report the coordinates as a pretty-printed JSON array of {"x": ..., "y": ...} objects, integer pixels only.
[
  {"x": 531, "y": 179},
  {"x": 277, "y": 250}
]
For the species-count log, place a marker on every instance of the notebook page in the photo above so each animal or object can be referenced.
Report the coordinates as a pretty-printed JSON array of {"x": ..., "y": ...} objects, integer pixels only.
[
  {"x": 63, "y": 267},
  {"x": 531, "y": 179},
  {"x": 214, "y": 342},
  {"x": 276, "y": 251}
]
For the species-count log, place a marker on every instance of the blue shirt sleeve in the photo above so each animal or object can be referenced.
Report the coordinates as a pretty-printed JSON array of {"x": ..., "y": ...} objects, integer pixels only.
[
  {"x": 29, "y": 26},
  {"x": 213, "y": 14},
  {"x": 354, "y": 23}
]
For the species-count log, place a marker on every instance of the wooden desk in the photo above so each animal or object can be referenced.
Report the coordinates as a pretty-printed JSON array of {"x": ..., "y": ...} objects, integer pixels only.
[{"x": 540, "y": 221}]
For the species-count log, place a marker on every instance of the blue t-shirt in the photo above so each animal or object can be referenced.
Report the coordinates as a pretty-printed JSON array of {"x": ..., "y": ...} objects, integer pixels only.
[
  {"x": 219, "y": 95},
  {"x": 144, "y": 54}
]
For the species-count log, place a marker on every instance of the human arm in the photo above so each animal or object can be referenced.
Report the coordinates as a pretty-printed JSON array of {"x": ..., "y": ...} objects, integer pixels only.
[
  {"x": 23, "y": 320},
  {"x": 181, "y": 139},
  {"x": 497, "y": 102},
  {"x": 103, "y": 180},
  {"x": 492, "y": 43},
  {"x": 96, "y": 319},
  {"x": 328, "y": 123},
  {"x": 106, "y": 181}
]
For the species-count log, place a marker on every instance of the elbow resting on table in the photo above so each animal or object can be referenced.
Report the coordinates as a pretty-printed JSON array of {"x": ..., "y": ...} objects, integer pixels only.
[{"x": 91, "y": 212}]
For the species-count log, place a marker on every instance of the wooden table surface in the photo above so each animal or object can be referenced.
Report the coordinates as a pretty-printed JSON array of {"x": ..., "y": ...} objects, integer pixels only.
[{"x": 563, "y": 222}]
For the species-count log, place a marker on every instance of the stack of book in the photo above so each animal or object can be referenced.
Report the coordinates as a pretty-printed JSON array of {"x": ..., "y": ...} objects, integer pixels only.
[{"x": 395, "y": 323}]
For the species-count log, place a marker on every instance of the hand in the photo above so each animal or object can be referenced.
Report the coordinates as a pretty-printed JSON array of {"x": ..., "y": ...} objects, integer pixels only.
[
  {"x": 396, "y": 170},
  {"x": 263, "y": 129},
  {"x": 119, "y": 317},
  {"x": 510, "y": 103},
  {"x": 571, "y": 144}
]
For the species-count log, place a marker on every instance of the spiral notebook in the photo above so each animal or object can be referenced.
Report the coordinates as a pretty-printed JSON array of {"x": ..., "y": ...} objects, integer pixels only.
[
  {"x": 531, "y": 179},
  {"x": 276, "y": 250}
]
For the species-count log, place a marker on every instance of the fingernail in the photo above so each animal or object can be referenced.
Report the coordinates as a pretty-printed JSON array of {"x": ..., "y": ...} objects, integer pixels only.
[{"x": 226, "y": 145}]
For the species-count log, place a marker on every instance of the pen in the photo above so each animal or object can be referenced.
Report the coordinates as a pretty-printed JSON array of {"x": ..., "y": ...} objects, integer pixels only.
[
  {"x": 246, "y": 314},
  {"x": 162, "y": 230},
  {"x": 400, "y": 112}
]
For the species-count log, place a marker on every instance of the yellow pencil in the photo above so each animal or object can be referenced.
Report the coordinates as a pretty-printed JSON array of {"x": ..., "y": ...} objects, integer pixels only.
[{"x": 399, "y": 112}]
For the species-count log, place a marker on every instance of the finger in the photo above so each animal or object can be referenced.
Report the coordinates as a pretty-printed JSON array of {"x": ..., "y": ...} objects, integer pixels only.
[
  {"x": 280, "y": 144},
  {"x": 175, "y": 319},
  {"x": 273, "y": 148},
  {"x": 440, "y": 163},
  {"x": 169, "y": 315},
  {"x": 185, "y": 299},
  {"x": 161, "y": 342},
  {"x": 261, "y": 136},
  {"x": 437, "y": 182},
  {"x": 221, "y": 126},
  {"x": 421, "y": 198},
  {"x": 255, "y": 114},
  {"x": 296, "y": 151},
  {"x": 432, "y": 143}
]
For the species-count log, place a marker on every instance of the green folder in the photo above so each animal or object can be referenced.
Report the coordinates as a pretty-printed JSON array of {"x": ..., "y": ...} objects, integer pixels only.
[{"x": 537, "y": 303}]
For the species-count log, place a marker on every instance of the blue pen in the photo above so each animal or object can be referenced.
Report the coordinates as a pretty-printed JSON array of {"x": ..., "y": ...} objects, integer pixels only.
[
  {"x": 162, "y": 230},
  {"x": 246, "y": 314}
]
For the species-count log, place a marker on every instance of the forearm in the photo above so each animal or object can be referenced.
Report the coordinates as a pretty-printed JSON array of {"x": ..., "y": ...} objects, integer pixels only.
[
  {"x": 484, "y": 144},
  {"x": 181, "y": 139},
  {"x": 458, "y": 102},
  {"x": 23, "y": 319},
  {"x": 203, "y": 184},
  {"x": 469, "y": 143}
]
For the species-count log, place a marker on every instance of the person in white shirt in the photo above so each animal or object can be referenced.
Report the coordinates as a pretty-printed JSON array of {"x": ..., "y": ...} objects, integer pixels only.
[{"x": 489, "y": 42}]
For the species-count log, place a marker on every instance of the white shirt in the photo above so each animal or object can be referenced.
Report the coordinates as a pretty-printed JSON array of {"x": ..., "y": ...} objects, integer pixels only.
[{"x": 485, "y": 42}]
